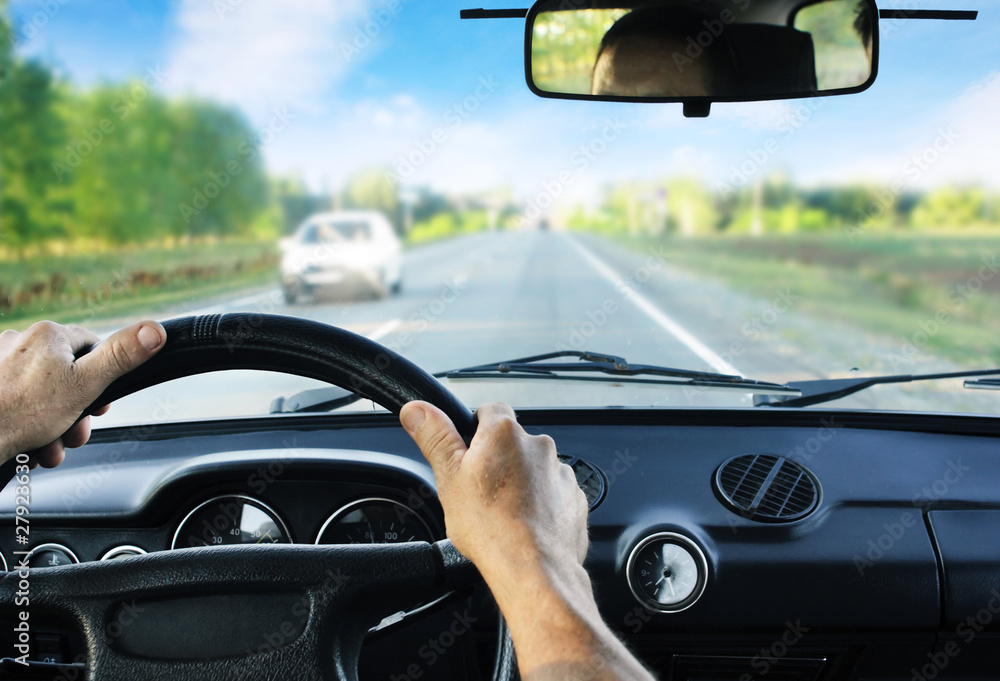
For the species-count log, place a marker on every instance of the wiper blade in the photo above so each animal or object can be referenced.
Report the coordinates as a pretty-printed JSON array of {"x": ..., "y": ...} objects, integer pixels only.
[
  {"x": 827, "y": 390},
  {"x": 537, "y": 367},
  {"x": 319, "y": 399}
]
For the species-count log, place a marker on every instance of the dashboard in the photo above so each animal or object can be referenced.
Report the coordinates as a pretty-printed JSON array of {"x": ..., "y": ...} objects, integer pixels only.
[{"x": 725, "y": 544}]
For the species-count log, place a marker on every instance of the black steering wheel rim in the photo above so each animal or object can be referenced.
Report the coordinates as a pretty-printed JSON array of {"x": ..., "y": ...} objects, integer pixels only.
[
  {"x": 291, "y": 345},
  {"x": 376, "y": 576}
]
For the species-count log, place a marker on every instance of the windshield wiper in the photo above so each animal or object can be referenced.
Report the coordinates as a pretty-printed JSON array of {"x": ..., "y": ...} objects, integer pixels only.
[
  {"x": 318, "y": 399},
  {"x": 537, "y": 367},
  {"x": 827, "y": 390}
]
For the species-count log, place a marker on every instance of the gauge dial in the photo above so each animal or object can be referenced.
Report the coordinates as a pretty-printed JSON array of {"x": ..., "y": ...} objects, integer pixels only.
[
  {"x": 374, "y": 521},
  {"x": 50, "y": 555},
  {"x": 232, "y": 519},
  {"x": 667, "y": 572}
]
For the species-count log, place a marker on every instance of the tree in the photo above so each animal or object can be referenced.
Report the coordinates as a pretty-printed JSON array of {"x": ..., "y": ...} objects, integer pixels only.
[{"x": 30, "y": 135}]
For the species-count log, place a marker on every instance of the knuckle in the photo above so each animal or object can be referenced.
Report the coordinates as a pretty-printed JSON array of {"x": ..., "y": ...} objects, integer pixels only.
[
  {"x": 506, "y": 426},
  {"x": 45, "y": 329},
  {"x": 546, "y": 442}
]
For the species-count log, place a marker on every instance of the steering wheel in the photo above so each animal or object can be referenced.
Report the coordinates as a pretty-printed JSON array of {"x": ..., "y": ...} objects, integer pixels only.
[{"x": 204, "y": 592}]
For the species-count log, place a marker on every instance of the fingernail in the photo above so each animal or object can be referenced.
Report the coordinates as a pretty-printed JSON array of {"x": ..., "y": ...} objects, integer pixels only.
[
  {"x": 149, "y": 338},
  {"x": 412, "y": 419}
]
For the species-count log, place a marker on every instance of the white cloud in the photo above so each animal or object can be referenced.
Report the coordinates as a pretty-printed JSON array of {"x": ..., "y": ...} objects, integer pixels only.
[
  {"x": 259, "y": 54},
  {"x": 953, "y": 143},
  {"x": 968, "y": 129}
]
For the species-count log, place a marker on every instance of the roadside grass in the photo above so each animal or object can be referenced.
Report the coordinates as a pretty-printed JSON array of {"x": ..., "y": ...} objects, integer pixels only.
[
  {"x": 936, "y": 292},
  {"x": 83, "y": 288}
]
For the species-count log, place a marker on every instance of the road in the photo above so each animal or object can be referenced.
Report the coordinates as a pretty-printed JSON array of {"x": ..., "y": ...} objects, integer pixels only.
[{"x": 495, "y": 296}]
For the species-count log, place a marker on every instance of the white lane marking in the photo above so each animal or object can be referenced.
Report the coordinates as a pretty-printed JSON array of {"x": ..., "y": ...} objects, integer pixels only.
[
  {"x": 385, "y": 329},
  {"x": 644, "y": 304}
]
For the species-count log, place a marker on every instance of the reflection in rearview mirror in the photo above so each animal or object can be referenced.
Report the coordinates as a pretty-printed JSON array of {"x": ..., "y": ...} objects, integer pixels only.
[{"x": 717, "y": 50}]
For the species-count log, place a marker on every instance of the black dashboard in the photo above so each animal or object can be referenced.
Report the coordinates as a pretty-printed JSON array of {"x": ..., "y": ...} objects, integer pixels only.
[{"x": 725, "y": 544}]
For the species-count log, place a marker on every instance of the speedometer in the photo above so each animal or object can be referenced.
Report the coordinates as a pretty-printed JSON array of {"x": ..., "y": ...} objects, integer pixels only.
[
  {"x": 231, "y": 519},
  {"x": 374, "y": 521}
]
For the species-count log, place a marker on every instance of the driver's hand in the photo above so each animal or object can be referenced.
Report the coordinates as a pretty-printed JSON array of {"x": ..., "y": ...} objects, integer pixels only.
[
  {"x": 509, "y": 504},
  {"x": 44, "y": 387}
]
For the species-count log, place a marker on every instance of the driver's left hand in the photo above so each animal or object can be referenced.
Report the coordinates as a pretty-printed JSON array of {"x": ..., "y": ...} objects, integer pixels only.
[{"x": 45, "y": 383}]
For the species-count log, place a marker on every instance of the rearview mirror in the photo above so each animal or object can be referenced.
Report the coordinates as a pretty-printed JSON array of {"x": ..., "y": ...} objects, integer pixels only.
[{"x": 700, "y": 51}]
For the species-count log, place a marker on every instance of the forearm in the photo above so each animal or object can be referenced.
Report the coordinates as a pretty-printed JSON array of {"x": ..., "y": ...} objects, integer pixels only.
[{"x": 557, "y": 630}]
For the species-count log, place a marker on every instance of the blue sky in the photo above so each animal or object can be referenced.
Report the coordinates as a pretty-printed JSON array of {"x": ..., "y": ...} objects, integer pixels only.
[{"x": 388, "y": 100}]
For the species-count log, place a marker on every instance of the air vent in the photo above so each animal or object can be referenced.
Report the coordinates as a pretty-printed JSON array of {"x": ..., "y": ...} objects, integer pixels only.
[
  {"x": 590, "y": 479},
  {"x": 767, "y": 488}
]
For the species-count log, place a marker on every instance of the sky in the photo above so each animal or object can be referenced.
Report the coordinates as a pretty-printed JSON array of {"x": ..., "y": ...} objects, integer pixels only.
[{"x": 406, "y": 85}]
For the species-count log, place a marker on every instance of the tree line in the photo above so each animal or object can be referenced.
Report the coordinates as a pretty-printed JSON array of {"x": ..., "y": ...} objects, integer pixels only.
[
  {"x": 776, "y": 205},
  {"x": 117, "y": 164}
]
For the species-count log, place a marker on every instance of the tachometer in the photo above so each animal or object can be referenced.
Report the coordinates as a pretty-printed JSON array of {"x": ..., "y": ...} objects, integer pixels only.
[
  {"x": 231, "y": 519},
  {"x": 374, "y": 521}
]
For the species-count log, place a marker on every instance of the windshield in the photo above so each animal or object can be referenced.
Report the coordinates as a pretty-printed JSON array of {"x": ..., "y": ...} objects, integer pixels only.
[{"x": 165, "y": 159}]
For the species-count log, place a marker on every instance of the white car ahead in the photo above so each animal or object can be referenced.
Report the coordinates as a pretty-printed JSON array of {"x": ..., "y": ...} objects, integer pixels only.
[{"x": 348, "y": 253}]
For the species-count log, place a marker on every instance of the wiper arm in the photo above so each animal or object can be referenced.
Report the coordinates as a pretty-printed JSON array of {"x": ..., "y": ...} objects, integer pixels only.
[
  {"x": 318, "y": 399},
  {"x": 537, "y": 366},
  {"x": 827, "y": 390}
]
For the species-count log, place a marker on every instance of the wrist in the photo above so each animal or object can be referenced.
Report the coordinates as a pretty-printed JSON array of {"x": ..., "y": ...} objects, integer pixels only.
[
  {"x": 7, "y": 448},
  {"x": 550, "y": 609}
]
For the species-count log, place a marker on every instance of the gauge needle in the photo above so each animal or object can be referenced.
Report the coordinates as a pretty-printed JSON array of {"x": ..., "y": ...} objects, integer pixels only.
[{"x": 371, "y": 532}]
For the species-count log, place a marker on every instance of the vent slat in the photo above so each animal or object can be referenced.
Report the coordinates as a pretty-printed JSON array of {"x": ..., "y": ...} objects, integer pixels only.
[
  {"x": 790, "y": 492},
  {"x": 588, "y": 478}
]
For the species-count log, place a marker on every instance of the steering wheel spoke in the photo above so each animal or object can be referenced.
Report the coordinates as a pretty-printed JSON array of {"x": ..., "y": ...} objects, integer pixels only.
[
  {"x": 240, "y": 612},
  {"x": 253, "y": 612}
]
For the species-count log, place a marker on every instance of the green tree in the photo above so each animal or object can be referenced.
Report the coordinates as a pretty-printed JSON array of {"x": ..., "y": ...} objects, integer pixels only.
[
  {"x": 951, "y": 207},
  {"x": 30, "y": 136}
]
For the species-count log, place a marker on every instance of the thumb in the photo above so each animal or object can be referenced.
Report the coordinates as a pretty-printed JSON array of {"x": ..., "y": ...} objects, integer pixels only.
[
  {"x": 435, "y": 434},
  {"x": 119, "y": 354}
]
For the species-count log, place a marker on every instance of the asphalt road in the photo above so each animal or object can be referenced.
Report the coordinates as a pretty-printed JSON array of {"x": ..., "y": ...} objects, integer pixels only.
[{"x": 496, "y": 296}]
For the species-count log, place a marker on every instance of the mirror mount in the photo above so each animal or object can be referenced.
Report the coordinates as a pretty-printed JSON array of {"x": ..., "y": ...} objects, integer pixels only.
[{"x": 696, "y": 108}]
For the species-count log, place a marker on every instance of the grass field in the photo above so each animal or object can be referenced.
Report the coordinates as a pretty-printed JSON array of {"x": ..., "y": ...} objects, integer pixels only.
[
  {"x": 81, "y": 288},
  {"x": 898, "y": 284}
]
